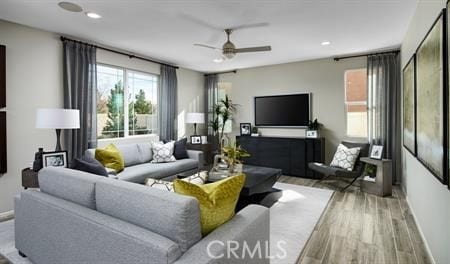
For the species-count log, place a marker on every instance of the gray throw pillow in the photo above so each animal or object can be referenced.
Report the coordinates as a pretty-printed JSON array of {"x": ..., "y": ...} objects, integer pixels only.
[{"x": 88, "y": 164}]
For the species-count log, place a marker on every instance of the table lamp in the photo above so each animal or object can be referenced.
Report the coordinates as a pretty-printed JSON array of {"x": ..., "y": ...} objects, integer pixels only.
[
  {"x": 195, "y": 118},
  {"x": 56, "y": 118}
]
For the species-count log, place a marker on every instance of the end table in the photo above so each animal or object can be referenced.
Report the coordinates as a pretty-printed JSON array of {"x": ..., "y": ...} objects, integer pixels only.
[
  {"x": 29, "y": 178},
  {"x": 207, "y": 151},
  {"x": 383, "y": 180}
]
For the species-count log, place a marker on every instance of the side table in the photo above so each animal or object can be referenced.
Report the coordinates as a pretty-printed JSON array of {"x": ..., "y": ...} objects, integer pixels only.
[
  {"x": 29, "y": 178},
  {"x": 207, "y": 151},
  {"x": 383, "y": 180}
]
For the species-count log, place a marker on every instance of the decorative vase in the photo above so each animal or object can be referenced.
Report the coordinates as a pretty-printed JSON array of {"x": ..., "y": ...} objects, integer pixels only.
[{"x": 238, "y": 168}]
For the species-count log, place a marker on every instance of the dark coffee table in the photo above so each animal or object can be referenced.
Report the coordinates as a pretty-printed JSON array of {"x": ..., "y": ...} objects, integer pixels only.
[{"x": 259, "y": 179}]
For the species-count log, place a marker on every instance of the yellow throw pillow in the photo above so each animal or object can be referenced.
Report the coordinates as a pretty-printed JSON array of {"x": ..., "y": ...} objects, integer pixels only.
[
  {"x": 217, "y": 200},
  {"x": 110, "y": 157}
]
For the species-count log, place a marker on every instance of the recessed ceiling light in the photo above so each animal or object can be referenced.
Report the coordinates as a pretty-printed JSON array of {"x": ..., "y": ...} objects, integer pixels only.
[
  {"x": 218, "y": 60},
  {"x": 325, "y": 43},
  {"x": 93, "y": 15},
  {"x": 71, "y": 7}
]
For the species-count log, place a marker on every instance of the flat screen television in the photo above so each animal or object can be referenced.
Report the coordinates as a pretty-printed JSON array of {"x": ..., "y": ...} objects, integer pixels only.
[{"x": 283, "y": 110}]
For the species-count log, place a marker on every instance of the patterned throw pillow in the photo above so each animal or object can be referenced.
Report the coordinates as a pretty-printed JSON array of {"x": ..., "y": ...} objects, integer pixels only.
[
  {"x": 345, "y": 158},
  {"x": 198, "y": 179},
  {"x": 163, "y": 152}
]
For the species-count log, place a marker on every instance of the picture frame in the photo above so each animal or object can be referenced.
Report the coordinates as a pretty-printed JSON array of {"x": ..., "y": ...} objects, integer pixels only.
[
  {"x": 196, "y": 140},
  {"x": 376, "y": 152},
  {"x": 54, "y": 159},
  {"x": 312, "y": 134},
  {"x": 246, "y": 129},
  {"x": 409, "y": 106},
  {"x": 431, "y": 100}
]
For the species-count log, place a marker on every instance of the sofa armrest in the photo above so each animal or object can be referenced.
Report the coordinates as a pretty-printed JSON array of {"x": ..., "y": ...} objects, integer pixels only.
[
  {"x": 196, "y": 155},
  {"x": 249, "y": 229}
]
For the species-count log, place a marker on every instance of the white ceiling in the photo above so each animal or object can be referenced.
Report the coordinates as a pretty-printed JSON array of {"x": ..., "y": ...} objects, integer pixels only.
[{"x": 166, "y": 29}]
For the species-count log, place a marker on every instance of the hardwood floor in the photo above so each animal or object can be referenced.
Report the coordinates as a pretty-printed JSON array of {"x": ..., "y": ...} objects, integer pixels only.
[{"x": 362, "y": 228}]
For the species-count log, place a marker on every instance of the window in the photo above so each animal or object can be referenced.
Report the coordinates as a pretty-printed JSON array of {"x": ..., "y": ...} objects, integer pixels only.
[
  {"x": 121, "y": 91},
  {"x": 356, "y": 102}
]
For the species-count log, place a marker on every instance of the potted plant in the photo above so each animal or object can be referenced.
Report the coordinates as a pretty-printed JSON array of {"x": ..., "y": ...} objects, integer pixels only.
[
  {"x": 255, "y": 132},
  {"x": 234, "y": 154},
  {"x": 223, "y": 113},
  {"x": 313, "y": 129},
  {"x": 370, "y": 170}
]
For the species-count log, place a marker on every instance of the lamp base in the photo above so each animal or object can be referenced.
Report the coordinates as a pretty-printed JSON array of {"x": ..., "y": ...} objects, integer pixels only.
[{"x": 58, "y": 140}]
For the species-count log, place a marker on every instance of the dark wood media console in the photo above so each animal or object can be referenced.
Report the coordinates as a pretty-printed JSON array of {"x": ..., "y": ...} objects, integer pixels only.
[{"x": 291, "y": 155}]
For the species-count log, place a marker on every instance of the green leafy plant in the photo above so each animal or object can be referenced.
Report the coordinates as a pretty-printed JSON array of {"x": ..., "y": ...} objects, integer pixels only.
[
  {"x": 254, "y": 130},
  {"x": 222, "y": 112},
  {"x": 234, "y": 153},
  {"x": 370, "y": 170},
  {"x": 314, "y": 125}
]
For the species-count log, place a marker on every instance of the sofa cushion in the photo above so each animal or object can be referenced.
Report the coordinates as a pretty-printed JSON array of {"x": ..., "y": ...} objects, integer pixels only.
[
  {"x": 110, "y": 157},
  {"x": 180, "y": 150},
  {"x": 71, "y": 185},
  {"x": 130, "y": 154},
  {"x": 217, "y": 200},
  {"x": 138, "y": 173},
  {"x": 88, "y": 164},
  {"x": 145, "y": 151},
  {"x": 168, "y": 214}
]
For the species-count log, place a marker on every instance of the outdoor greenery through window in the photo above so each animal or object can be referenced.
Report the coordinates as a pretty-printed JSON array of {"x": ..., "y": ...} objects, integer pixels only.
[
  {"x": 356, "y": 102},
  {"x": 121, "y": 91}
]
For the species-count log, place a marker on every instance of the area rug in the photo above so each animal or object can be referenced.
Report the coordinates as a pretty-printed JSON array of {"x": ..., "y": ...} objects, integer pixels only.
[
  {"x": 294, "y": 212},
  {"x": 293, "y": 218}
]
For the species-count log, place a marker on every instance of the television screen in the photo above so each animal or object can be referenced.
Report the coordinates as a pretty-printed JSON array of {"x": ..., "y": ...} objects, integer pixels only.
[{"x": 282, "y": 110}]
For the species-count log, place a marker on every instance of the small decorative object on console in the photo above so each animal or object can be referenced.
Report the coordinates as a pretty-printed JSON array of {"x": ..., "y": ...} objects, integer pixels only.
[
  {"x": 255, "y": 132},
  {"x": 54, "y": 159},
  {"x": 196, "y": 140},
  {"x": 37, "y": 163},
  {"x": 313, "y": 129},
  {"x": 246, "y": 129},
  {"x": 376, "y": 152}
]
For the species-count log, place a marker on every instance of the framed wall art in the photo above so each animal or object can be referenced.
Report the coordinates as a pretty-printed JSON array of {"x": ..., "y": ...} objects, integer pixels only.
[
  {"x": 431, "y": 105},
  {"x": 409, "y": 106}
]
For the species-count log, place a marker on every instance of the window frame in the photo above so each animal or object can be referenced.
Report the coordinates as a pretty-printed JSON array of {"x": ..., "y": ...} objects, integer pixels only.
[
  {"x": 346, "y": 104},
  {"x": 125, "y": 70}
]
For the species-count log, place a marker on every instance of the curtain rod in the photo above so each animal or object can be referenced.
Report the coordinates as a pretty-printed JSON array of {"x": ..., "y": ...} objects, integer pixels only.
[
  {"x": 366, "y": 54},
  {"x": 131, "y": 56},
  {"x": 233, "y": 71}
]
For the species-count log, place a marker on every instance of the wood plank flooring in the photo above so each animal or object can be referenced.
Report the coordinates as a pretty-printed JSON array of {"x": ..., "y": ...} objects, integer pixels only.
[{"x": 362, "y": 228}]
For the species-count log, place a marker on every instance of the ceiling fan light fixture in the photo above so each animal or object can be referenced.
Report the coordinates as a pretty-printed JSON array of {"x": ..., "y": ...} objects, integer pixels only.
[
  {"x": 218, "y": 60},
  {"x": 229, "y": 55},
  {"x": 325, "y": 43}
]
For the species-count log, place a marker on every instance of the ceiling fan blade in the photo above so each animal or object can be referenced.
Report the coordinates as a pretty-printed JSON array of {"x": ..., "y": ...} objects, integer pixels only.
[
  {"x": 254, "y": 25},
  {"x": 206, "y": 46},
  {"x": 254, "y": 49}
]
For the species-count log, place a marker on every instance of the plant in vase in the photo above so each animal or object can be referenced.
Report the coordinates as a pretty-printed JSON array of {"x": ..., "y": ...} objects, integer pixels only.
[
  {"x": 255, "y": 132},
  {"x": 222, "y": 113},
  {"x": 234, "y": 154},
  {"x": 313, "y": 129}
]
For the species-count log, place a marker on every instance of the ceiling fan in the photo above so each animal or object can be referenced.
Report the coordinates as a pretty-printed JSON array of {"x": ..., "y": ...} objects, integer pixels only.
[{"x": 229, "y": 50}]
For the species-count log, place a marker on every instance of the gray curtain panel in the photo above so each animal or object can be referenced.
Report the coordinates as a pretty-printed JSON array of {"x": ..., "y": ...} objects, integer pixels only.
[
  {"x": 80, "y": 90},
  {"x": 384, "y": 107},
  {"x": 211, "y": 98},
  {"x": 167, "y": 103}
]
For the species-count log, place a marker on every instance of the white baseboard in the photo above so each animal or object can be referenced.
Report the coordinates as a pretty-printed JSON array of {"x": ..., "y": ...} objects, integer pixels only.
[
  {"x": 6, "y": 215},
  {"x": 420, "y": 231}
]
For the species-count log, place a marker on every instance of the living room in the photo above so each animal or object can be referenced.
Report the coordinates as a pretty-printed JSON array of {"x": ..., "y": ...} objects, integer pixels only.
[{"x": 228, "y": 121}]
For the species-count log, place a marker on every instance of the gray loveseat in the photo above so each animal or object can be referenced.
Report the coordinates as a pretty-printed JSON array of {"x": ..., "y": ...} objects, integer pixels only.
[
  {"x": 78, "y": 217},
  {"x": 138, "y": 166}
]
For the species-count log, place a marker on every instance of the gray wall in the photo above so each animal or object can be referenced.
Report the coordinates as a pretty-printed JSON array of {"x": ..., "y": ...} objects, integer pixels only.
[
  {"x": 34, "y": 80},
  {"x": 323, "y": 78},
  {"x": 428, "y": 198}
]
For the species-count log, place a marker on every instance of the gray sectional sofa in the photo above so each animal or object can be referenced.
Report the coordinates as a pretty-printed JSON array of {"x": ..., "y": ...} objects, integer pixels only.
[
  {"x": 78, "y": 217},
  {"x": 138, "y": 166}
]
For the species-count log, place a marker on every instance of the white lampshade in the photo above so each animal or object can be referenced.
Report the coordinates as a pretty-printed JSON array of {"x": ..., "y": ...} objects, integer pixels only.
[
  {"x": 56, "y": 118},
  {"x": 195, "y": 118}
]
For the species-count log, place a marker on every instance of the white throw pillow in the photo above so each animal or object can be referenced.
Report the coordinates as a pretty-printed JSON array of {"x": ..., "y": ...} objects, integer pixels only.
[
  {"x": 345, "y": 158},
  {"x": 163, "y": 152}
]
